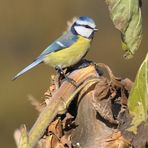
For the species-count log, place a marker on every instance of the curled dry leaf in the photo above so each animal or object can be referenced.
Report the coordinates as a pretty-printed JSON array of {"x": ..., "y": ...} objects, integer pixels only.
[
  {"x": 51, "y": 142},
  {"x": 102, "y": 101},
  {"x": 55, "y": 128}
]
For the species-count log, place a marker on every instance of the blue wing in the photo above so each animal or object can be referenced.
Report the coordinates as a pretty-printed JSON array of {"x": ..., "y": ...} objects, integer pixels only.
[{"x": 66, "y": 40}]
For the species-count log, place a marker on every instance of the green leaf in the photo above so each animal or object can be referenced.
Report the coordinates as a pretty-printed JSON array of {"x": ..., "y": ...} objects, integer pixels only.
[
  {"x": 126, "y": 16},
  {"x": 138, "y": 99}
]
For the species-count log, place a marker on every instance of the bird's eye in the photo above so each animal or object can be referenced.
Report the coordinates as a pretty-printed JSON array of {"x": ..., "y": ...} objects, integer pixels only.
[{"x": 87, "y": 26}]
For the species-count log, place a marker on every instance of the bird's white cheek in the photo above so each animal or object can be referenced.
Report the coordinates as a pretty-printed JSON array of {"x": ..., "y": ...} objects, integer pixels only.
[{"x": 83, "y": 31}]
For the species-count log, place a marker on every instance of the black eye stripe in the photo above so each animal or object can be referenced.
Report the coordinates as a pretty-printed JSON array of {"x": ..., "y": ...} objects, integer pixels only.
[{"x": 86, "y": 26}]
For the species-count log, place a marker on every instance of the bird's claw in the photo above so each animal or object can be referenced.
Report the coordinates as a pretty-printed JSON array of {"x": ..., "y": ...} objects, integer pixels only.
[{"x": 62, "y": 73}]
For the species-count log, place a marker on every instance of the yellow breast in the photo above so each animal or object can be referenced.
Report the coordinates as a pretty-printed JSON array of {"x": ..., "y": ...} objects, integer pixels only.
[{"x": 69, "y": 56}]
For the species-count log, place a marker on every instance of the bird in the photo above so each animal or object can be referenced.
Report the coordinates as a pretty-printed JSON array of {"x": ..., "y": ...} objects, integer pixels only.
[{"x": 69, "y": 48}]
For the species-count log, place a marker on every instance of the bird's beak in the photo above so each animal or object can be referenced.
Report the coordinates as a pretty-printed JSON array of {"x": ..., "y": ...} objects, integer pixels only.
[{"x": 96, "y": 29}]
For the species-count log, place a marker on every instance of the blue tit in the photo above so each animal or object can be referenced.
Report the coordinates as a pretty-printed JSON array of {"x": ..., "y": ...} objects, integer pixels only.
[{"x": 68, "y": 49}]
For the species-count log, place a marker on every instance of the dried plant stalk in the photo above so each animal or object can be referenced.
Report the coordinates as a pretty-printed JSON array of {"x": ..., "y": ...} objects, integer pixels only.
[{"x": 92, "y": 115}]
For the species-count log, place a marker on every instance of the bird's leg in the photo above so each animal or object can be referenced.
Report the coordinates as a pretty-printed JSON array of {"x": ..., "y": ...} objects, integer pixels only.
[{"x": 61, "y": 72}]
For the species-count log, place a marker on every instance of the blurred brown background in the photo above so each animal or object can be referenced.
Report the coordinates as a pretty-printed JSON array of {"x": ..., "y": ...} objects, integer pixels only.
[{"x": 26, "y": 28}]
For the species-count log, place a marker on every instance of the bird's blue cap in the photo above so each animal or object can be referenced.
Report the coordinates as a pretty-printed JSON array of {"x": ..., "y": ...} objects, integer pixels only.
[{"x": 86, "y": 18}]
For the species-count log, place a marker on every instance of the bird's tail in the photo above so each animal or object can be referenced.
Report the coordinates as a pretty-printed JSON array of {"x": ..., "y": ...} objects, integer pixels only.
[{"x": 35, "y": 63}]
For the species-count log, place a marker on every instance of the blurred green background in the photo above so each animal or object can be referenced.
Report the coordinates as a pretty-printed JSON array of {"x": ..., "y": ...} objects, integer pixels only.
[{"x": 26, "y": 28}]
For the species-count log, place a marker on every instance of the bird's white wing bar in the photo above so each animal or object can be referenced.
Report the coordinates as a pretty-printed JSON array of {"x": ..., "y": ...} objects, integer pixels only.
[{"x": 61, "y": 44}]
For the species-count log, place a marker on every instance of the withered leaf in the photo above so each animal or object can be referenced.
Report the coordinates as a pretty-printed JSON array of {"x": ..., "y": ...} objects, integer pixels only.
[{"x": 126, "y": 16}]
